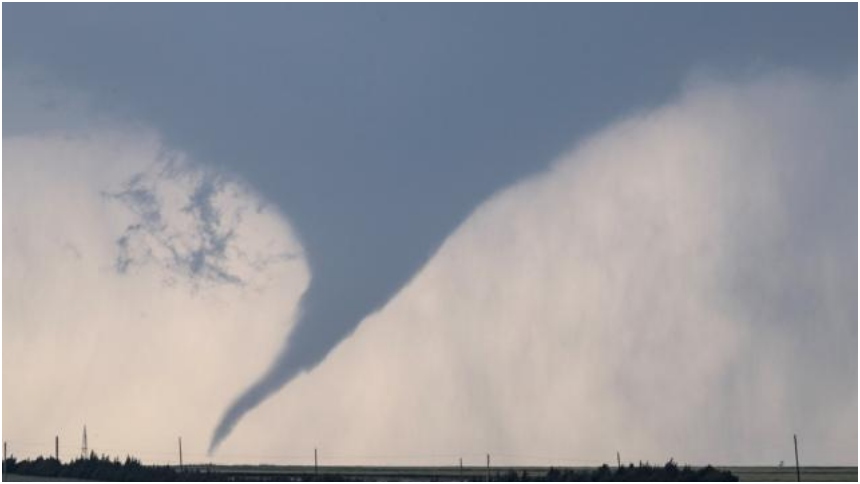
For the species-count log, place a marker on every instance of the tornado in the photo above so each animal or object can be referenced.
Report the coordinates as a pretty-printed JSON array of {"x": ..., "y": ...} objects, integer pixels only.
[{"x": 343, "y": 291}]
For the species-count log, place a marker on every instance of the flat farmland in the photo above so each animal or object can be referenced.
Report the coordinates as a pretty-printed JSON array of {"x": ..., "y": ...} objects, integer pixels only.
[
  {"x": 453, "y": 474},
  {"x": 785, "y": 474}
]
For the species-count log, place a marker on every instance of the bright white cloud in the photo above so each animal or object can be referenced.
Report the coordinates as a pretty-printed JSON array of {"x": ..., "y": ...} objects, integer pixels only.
[{"x": 117, "y": 313}]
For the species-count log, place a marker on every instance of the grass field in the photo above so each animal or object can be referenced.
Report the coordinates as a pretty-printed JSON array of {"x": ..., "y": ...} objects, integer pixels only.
[
  {"x": 20, "y": 478},
  {"x": 784, "y": 474},
  {"x": 748, "y": 474}
]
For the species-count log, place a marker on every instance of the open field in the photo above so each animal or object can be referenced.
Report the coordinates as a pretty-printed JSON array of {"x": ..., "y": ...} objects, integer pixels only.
[
  {"x": 745, "y": 473},
  {"x": 760, "y": 474},
  {"x": 21, "y": 478},
  {"x": 272, "y": 472}
]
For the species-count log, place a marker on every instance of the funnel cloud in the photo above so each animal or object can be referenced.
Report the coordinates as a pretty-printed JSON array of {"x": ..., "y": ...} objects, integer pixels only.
[{"x": 378, "y": 129}]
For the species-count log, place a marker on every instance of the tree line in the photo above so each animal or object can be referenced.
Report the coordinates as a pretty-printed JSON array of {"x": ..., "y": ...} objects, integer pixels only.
[
  {"x": 101, "y": 468},
  {"x": 670, "y": 472}
]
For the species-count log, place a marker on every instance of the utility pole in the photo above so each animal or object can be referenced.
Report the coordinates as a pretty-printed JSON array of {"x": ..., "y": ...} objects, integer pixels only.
[
  {"x": 618, "y": 456},
  {"x": 180, "y": 454},
  {"x": 488, "y": 467},
  {"x": 796, "y": 459},
  {"x": 316, "y": 463},
  {"x": 57, "y": 448},
  {"x": 84, "y": 444},
  {"x": 461, "y": 468},
  {"x": 4, "y": 456}
]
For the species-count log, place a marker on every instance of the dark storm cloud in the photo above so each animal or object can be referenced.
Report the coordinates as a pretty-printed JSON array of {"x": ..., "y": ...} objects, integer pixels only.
[{"x": 377, "y": 129}]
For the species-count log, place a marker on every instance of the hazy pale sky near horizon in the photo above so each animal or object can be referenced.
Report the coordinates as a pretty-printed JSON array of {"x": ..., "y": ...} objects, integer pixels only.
[{"x": 263, "y": 210}]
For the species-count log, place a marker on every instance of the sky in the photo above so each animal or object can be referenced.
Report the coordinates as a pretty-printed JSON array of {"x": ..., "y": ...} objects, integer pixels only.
[{"x": 408, "y": 233}]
